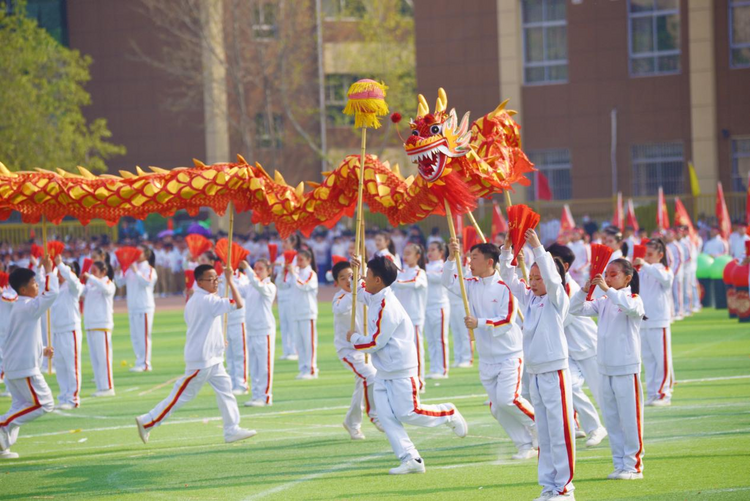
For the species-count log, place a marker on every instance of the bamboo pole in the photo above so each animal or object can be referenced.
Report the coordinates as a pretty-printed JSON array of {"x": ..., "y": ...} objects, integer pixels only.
[
  {"x": 476, "y": 225},
  {"x": 358, "y": 238},
  {"x": 363, "y": 253},
  {"x": 459, "y": 266},
  {"x": 228, "y": 263},
  {"x": 49, "y": 317}
]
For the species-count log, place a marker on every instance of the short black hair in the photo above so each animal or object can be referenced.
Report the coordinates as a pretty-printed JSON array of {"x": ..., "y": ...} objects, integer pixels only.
[
  {"x": 200, "y": 270},
  {"x": 384, "y": 268},
  {"x": 339, "y": 267},
  {"x": 488, "y": 250},
  {"x": 563, "y": 252},
  {"x": 20, "y": 277}
]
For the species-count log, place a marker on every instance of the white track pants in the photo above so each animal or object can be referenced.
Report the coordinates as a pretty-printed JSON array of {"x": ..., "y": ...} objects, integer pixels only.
[
  {"x": 100, "y": 350},
  {"x": 419, "y": 341},
  {"x": 622, "y": 407},
  {"x": 677, "y": 293},
  {"x": 553, "y": 402},
  {"x": 364, "y": 387},
  {"x": 31, "y": 398},
  {"x": 306, "y": 343},
  {"x": 140, "y": 335},
  {"x": 436, "y": 334},
  {"x": 187, "y": 387},
  {"x": 44, "y": 361},
  {"x": 262, "y": 350},
  {"x": 67, "y": 363},
  {"x": 286, "y": 326},
  {"x": 582, "y": 405},
  {"x": 237, "y": 357},
  {"x": 656, "y": 350},
  {"x": 463, "y": 346},
  {"x": 397, "y": 401},
  {"x": 514, "y": 413}
]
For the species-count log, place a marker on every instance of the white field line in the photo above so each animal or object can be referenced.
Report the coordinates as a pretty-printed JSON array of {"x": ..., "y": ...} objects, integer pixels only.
[
  {"x": 161, "y": 385},
  {"x": 706, "y": 379}
]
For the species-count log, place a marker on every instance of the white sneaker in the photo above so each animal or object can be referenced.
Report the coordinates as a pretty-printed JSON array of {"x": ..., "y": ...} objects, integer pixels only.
[
  {"x": 239, "y": 391},
  {"x": 142, "y": 431},
  {"x": 104, "y": 393},
  {"x": 613, "y": 475},
  {"x": 524, "y": 454},
  {"x": 4, "y": 439},
  {"x": 465, "y": 365},
  {"x": 437, "y": 376},
  {"x": 487, "y": 402},
  {"x": 6, "y": 454},
  {"x": 661, "y": 403},
  {"x": 6, "y": 393},
  {"x": 306, "y": 376},
  {"x": 457, "y": 423},
  {"x": 355, "y": 433},
  {"x": 410, "y": 466},
  {"x": 629, "y": 475},
  {"x": 64, "y": 407},
  {"x": 255, "y": 403},
  {"x": 580, "y": 433},
  {"x": 138, "y": 368},
  {"x": 240, "y": 434},
  {"x": 293, "y": 358},
  {"x": 568, "y": 496},
  {"x": 544, "y": 496},
  {"x": 596, "y": 437}
]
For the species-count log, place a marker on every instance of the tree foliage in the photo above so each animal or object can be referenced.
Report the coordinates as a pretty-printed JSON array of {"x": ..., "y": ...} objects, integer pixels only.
[{"x": 41, "y": 96}]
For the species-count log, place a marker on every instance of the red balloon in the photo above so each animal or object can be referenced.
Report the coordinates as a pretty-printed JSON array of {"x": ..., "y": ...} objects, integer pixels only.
[
  {"x": 729, "y": 271},
  {"x": 740, "y": 275}
]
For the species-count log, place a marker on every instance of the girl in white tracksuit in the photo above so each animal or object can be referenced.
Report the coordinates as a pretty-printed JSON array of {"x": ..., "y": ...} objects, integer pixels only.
[
  {"x": 437, "y": 315},
  {"x": 385, "y": 247},
  {"x": 237, "y": 350},
  {"x": 140, "y": 280},
  {"x": 98, "y": 322},
  {"x": 261, "y": 331},
  {"x": 656, "y": 337},
  {"x": 66, "y": 337},
  {"x": 612, "y": 238},
  {"x": 286, "y": 309},
  {"x": 303, "y": 282},
  {"x": 618, "y": 353},
  {"x": 411, "y": 290},
  {"x": 545, "y": 306}
]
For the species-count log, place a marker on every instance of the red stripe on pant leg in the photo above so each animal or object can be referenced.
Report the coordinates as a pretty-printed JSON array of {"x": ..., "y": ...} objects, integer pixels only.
[
  {"x": 442, "y": 341},
  {"x": 145, "y": 337},
  {"x": 27, "y": 410},
  {"x": 353, "y": 369},
  {"x": 638, "y": 461},
  {"x": 174, "y": 400},
  {"x": 418, "y": 410},
  {"x": 666, "y": 364},
  {"x": 419, "y": 357},
  {"x": 471, "y": 347},
  {"x": 566, "y": 431},
  {"x": 106, "y": 355},
  {"x": 75, "y": 368},
  {"x": 244, "y": 354},
  {"x": 367, "y": 401},
  {"x": 268, "y": 366},
  {"x": 516, "y": 402},
  {"x": 312, "y": 347}
]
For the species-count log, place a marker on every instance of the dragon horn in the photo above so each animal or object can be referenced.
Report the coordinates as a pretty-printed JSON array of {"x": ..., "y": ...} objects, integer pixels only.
[
  {"x": 442, "y": 101},
  {"x": 499, "y": 108},
  {"x": 422, "y": 108}
]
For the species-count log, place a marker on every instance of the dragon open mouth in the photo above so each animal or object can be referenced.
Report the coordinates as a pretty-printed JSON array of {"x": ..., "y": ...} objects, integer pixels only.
[{"x": 431, "y": 164}]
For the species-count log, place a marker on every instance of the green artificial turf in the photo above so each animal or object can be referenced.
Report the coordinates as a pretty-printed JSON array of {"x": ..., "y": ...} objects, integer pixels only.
[{"x": 699, "y": 448}]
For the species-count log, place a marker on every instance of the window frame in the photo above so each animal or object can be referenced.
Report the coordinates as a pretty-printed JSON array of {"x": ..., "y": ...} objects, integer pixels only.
[
  {"x": 661, "y": 160},
  {"x": 547, "y": 169},
  {"x": 543, "y": 24},
  {"x": 739, "y": 184},
  {"x": 269, "y": 30},
  {"x": 731, "y": 4},
  {"x": 340, "y": 17},
  {"x": 271, "y": 139},
  {"x": 654, "y": 54}
]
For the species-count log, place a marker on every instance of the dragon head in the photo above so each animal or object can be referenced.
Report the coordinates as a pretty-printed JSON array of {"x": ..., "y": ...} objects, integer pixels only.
[{"x": 435, "y": 137}]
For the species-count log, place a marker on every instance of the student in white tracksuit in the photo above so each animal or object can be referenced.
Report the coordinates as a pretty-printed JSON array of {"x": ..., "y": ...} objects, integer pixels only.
[
  {"x": 390, "y": 342},
  {"x": 303, "y": 282},
  {"x": 66, "y": 337},
  {"x": 261, "y": 332},
  {"x": 285, "y": 306},
  {"x": 499, "y": 344},
  {"x": 7, "y": 300},
  {"x": 237, "y": 350},
  {"x": 23, "y": 350},
  {"x": 580, "y": 332},
  {"x": 204, "y": 357},
  {"x": 355, "y": 361},
  {"x": 545, "y": 306},
  {"x": 140, "y": 280},
  {"x": 612, "y": 238},
  {"x": 618, "y": 353},
  {"x": 98, "y": 321},
  {"x": 385, "y": 247},
  {"x": 411, "y": 290},
  {"x": 676, "y": 261},
  {"x": 656, "y": 337},
  {"x": 437, "y": 314}
]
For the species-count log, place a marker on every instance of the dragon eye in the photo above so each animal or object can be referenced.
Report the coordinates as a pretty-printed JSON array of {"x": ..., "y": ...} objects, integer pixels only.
[
  {"x": 414, "y": 133},
  {"x": 435, "y": 129}
]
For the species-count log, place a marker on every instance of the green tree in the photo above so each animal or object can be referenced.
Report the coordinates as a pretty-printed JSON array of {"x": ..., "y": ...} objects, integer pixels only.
[{"x": 41, "y": 122}]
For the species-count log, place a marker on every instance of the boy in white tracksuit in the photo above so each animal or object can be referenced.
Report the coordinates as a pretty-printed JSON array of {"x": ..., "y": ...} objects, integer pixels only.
[
  {"x": 580, "y": 333},
  {"x": 437, "y": 315},
  {"x": 261, "y": 332},
  {"x": 303, "y": 282},
  {"x": 204, "y": 357},
  {"x": 618, "y": 353},
  {"x": 545, "y": 305},
  {"x": 355, "y": 361},
  {"x": 66, "y": 337},
  {"x": 390, "y": 342},
  {"x": 499, "y": 343},
  {"x": 98, "y": 321},
  {"x": 140, "y": 280},
  {"x": 676, "y": 262},
  {"x": 237, "y": 349},
  {"x": 656, "y": 337},
  {"x": 23, "y": 350},
  {"x": 7, "y": 300}
]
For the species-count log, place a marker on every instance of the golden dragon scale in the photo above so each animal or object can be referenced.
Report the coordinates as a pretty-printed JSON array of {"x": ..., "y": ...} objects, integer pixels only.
[{"x": 495, "y": 162}]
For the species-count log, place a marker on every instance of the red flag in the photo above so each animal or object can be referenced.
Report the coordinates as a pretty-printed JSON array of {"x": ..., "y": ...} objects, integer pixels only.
[
  {"x": 631, "y": 220},
  {"x": 273, "y": 251},
  {"x": 662, "y": 215},
  {"x": 618, "y": 219},
  {"x": 338, "y": 259},
  {"x": 189, "y": 278},
  {"x": 521, "y": 218},
  {"x": 499, "y": 225},
  {"x": 722, "y": 213},
  {"x": 239, "y": 253},
  {"x": 747, "y": 207},
  {"x": 567, "y": 222},
  {"x": 458, "y": 223},
  {"x": 639, "y": 251},
  {"x": 470, "y": 238},
  {"x": 600, "y": 255},
  {"x": 543, "y": 191}
]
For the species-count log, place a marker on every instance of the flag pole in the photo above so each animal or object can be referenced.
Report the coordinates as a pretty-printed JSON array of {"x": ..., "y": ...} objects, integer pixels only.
[
  {"x": 49, "y": 319},
  {"x": 459, "y": 266}
]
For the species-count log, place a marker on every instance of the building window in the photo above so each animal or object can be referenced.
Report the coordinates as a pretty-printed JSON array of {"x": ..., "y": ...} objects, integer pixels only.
[
  {"x": 337, "y": 85},
  {"x": 337, "y": 10},
  {"x": 265, "y": 138},
  {"x": 51, "y": 15},
  {"x": 740, "y": 163},
  {"x": 264, "y": 20},
  {"x": 555, "y": 164},
  {"x": 654, "y": 27},
  {"x": 545, "y": 41},
  {"x": 739, "y": 33},
  {"x": 657, "y": 165}
]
